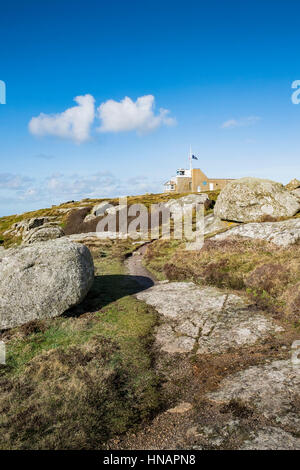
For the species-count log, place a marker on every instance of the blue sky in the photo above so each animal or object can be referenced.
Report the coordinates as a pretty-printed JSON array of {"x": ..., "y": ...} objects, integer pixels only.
[{"x": 216, "y": 75}]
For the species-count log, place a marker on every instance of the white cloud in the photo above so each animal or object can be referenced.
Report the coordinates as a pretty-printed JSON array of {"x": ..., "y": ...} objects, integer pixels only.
[
  {"x": 229, "y": 123},
  {"x": 18, "y": 191},
  {"x": 14, "y": 182},
  {"x": 73, "y": 123},
  {"x": 243, "y": 122},
  {"x": 128, "y": 115}
]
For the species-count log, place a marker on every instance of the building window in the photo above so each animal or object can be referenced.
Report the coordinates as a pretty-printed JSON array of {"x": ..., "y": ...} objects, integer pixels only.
[
  {"x": 204, "y": 183},
  {"x": 190, "y": 186}
]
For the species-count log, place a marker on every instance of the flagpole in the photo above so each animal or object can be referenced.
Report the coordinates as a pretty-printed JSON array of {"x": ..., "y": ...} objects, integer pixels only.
[{"x": 190, "y": 157}]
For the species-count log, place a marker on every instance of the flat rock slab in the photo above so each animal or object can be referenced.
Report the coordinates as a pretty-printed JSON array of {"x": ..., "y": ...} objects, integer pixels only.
[
  {"x": 181, "y": 408},
  {"x": 271, "y": 438},
  {"x": 92, "y": 236},
  {"x": 271, "y": 389},
  {"x": 204, "y": 319},
  {"x": 213, "y": 224},
  {"x": 283, "y": 233},
  {"x": 236, "y": 434}
]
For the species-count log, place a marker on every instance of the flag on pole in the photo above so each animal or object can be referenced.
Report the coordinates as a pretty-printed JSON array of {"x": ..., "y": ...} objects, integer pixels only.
[{"x": 194, "y": 158}]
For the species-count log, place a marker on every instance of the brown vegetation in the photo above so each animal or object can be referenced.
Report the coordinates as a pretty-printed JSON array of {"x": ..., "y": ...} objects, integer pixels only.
[
  {"x": 268, "y": 274},
  {"x": 75, "y": 381}
]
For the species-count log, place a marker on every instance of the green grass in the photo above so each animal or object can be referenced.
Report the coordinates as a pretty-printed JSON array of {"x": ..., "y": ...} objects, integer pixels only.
[{"x": 75, "y": 381}]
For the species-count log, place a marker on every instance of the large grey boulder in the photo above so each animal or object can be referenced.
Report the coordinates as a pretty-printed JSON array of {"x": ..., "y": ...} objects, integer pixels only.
[
  {"x": 43, "y": 280},
  {"x": 271, "y": 438},
  {"x": 251, "y": 199}
]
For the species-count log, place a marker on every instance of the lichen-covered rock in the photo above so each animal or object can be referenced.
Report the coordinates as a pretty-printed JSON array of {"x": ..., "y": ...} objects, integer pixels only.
[
  {"x": 98, "y": 210},
  {"x": 296, "y": 193},
  {"x": 204, "y": 319},
  {"x": 271, "y": 389},
  {"x": 94, "y": 236},
  {"x": 179, "y": 207},
  {"x": 237, "y": 434},
  {"x": 24, "y": 226},
  {"x": 251, "y": 199},
  {"x": 284, "y": 233},
  {"x": 294, "y": 184},
  {"x": 43, "y": 233},
  {"x": 271, "y": 438},
  {"x": 213, "y": 224},
  {"x": 43, "y": 280}
]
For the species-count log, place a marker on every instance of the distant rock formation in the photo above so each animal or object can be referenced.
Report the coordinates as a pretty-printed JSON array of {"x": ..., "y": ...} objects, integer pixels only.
[
  {"x": 43, "y": 233},
  {"x": 294, "y": 184},
  {"x": 251, "y": 199}
]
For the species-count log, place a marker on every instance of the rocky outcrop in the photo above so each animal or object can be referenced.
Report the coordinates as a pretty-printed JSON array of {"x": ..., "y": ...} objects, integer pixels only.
[
  {"x": 179, "y": 207},
  {"x": 213, "y": 224},
  {"x": 26, "y": 225},
  {"x": 98, "y": 210},
  {"x": 251, "y": 199},
  {"x": 93, "y": 236},
  {"x": 204, "y": 319},
  {"x": 271, "y": 389},
  {"x": 271, "y": 438},
  {"x": 294, "y": 184},
  {"x": 43, "y": 233},
  {"x": 43, "y": 280},
  {"x": 264, "y": 401},
  {"x": 296, "y": 193},
  {"x": 283, "y": 233}
]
